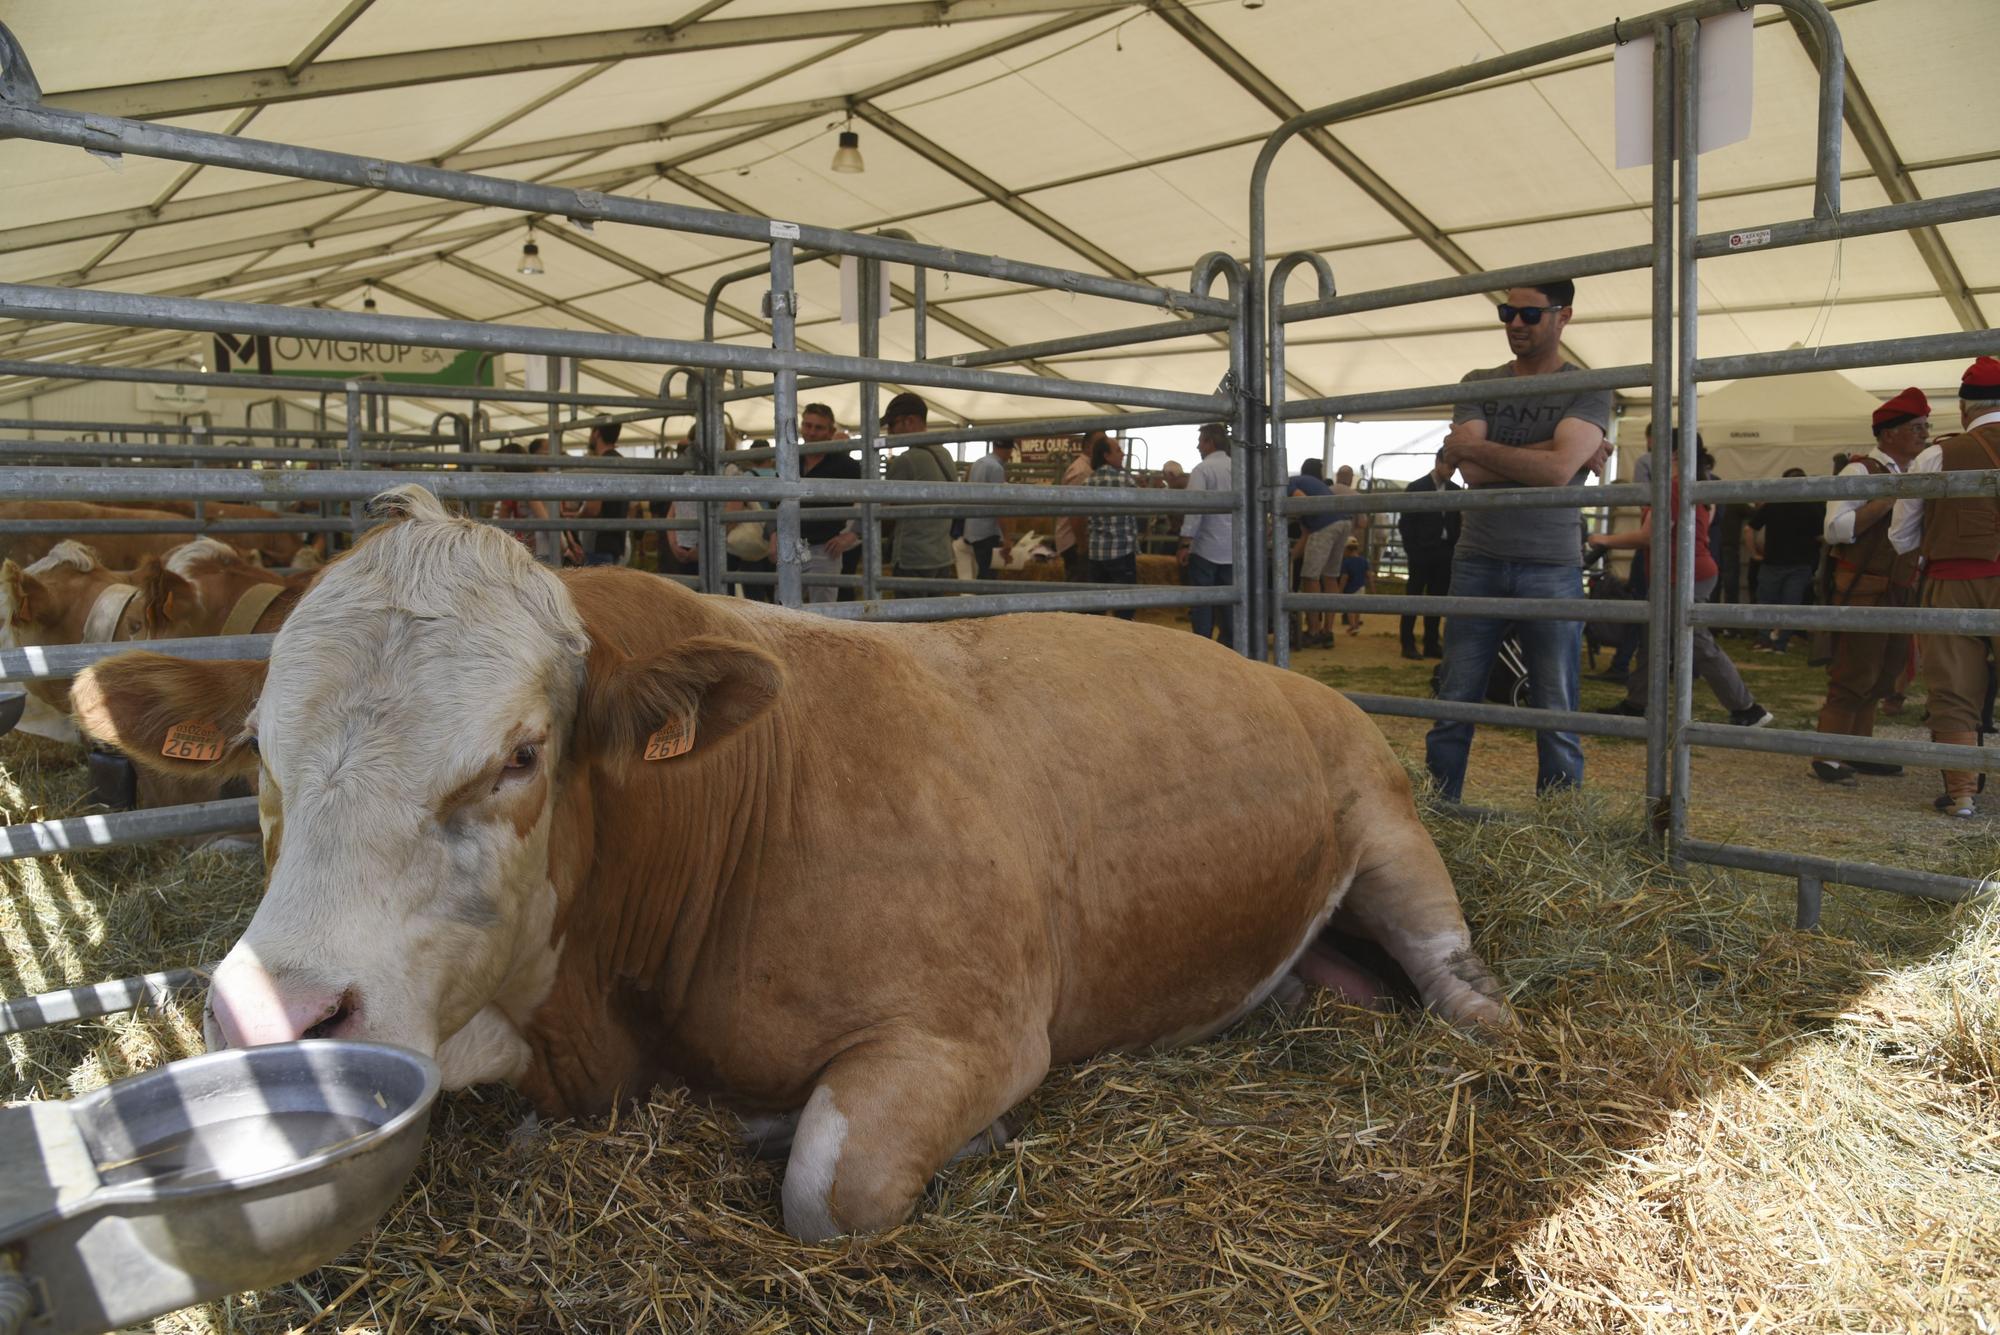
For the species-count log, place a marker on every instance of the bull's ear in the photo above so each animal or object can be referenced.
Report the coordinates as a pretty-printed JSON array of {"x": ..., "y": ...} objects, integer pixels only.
[
  {"x": 161, "y": 591},
  {"x": 664, "y": 705},
  {"x": 27, "y": 600},
  {"x": 171, "y": 714}
]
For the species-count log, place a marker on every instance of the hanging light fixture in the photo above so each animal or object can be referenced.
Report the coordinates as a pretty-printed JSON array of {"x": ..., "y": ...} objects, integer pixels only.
[
  {"x": 368, "y": 299},
  {"x": 531, "y": 255},
  {"x": 847, "y": 158}
]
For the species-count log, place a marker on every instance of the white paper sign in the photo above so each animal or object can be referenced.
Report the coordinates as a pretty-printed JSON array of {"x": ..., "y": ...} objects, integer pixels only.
[
  {"x": 1723, "y": 55},
  {"x": 536, "y": 367},
  {"x": 850, "y": 289}
]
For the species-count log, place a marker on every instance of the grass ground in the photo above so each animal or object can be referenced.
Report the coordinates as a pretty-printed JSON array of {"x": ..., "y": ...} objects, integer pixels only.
[{"x": 1710, "y": 1122}]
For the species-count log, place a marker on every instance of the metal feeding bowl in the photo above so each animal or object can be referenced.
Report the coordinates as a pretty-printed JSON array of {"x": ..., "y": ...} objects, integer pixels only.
[
  {"x": 12, "y": 705},
  {"x": 234, "y": 1170}
]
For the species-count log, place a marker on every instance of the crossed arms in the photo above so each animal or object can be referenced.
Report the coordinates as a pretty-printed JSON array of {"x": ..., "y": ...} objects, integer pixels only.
[{"x": 1576, "y": 444}]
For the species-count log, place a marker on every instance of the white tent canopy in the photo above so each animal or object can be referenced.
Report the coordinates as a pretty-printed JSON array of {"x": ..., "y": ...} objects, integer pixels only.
[
  {"x": 1759, "y": 428},
  {"x": 1100, "y": 135}
]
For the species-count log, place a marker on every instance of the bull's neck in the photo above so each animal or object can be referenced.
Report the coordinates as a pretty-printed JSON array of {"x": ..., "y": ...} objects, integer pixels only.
[{"x": 652, "y": 861}]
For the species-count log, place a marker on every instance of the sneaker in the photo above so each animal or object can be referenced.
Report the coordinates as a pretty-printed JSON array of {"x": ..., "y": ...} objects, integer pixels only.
[
  {"x": 1752, "y": 715},
  {"x": 1832, "y": 771},
  {"x": 1961, "y": 807},
  {"x": 1410, "y": 651},
  {"x": 1624, "y": 709},
  {"x": 1877, "y": 768}
]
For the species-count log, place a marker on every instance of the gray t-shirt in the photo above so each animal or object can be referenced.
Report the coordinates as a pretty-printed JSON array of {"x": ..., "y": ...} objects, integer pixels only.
[{"x": 1544, "y": 537}]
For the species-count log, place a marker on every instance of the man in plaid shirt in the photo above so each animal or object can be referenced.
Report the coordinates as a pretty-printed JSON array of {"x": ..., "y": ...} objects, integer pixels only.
[{"x": 1113, "y": 549}]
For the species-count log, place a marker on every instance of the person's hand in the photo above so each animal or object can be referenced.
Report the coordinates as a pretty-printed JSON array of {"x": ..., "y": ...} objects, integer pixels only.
[
  {"x": 840, "y": 543},
  {"x": 1595, "y": 540},
  {"x": 1181, "y": 556},
  {"x": 1600, "y": 458}
]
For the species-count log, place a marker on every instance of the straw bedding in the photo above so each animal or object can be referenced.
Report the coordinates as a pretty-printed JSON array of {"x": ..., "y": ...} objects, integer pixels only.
[{"x": 1710, "y": 1123}]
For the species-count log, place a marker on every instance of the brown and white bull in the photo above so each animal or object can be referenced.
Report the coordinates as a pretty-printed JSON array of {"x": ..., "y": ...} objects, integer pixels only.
[
  {"x": 122, "y": 551},
  {"x": 595, "y": 832}
]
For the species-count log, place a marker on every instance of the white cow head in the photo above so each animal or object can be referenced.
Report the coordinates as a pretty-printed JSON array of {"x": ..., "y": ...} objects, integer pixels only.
[{"x": 422, "y": 712}]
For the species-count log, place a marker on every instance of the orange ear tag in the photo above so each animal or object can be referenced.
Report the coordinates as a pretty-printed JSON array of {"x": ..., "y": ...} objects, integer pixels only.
[
  {"x": 675, "y": 738},
  {"x": 193, "y": 741}
]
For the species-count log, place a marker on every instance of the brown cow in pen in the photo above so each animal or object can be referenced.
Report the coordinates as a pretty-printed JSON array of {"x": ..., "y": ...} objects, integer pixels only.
[{"x": 595, "y": 832}]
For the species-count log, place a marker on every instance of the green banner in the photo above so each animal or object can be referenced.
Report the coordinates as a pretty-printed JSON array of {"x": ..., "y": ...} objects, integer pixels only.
[{"x": 346, "y": 359}]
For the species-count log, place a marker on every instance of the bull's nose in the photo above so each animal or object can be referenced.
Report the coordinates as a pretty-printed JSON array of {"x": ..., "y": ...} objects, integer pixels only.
[{"x": 250, "y": 1006}]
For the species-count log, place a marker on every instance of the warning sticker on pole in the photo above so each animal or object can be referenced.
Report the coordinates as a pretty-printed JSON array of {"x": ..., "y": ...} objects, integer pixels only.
[{"x": 1750, "y": 240}]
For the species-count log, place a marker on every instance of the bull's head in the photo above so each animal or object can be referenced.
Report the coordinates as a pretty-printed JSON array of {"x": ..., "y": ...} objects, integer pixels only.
[{"x": 422, "y": 714}]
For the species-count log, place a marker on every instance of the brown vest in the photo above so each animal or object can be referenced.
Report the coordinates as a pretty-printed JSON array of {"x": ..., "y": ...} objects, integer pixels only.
[
  {"x": 1965, "y": 527},
  {"x": 1870, "y": 553}
]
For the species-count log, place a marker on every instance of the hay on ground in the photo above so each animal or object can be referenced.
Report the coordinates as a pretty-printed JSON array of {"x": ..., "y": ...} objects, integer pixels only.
[{"x": 1709, "y": 1123}]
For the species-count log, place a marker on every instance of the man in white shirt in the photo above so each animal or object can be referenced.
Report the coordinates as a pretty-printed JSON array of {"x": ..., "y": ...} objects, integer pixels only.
[
  {"x": 982, "y": 532},
  {"x": 1959, "y": 538},
  {"x": 1868, "y": 572},
  {"x": 1207, "y": 551}
]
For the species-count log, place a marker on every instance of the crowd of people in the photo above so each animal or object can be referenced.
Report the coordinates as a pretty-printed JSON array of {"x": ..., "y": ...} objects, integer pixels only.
[{"x": 1857, "y": 553}]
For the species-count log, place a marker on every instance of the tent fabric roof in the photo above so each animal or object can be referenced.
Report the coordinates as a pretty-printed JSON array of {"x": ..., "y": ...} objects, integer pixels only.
[{"x": 1090, "y": 134}]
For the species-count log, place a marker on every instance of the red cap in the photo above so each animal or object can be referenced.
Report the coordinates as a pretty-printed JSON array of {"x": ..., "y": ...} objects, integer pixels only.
[
  {"x": 1981, "y": 380},
  {"x": 1908, "y": 405}
]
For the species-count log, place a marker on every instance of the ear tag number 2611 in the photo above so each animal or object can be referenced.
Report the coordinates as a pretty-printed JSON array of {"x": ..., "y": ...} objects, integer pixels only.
[
  {"x": 193, "y": 741},
  {"x": 675, "y": 738}
]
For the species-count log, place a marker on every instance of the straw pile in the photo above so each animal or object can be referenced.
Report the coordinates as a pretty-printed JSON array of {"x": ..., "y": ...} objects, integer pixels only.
[{"x": 1709, "y": 1123}]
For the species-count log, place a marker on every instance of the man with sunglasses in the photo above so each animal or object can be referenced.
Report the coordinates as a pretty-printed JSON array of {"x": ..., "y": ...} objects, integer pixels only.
[{"x": 1550, "y": 439}]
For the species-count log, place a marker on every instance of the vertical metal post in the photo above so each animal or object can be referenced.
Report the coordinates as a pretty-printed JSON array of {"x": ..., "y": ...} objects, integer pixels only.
[
  {"x": 472, "y": 429},
  {"x": 1659, "y": 626},
  {"x": 1687, "y": 77},
  {"x": 710, "y": 442},
  {"x": 783, "y": 314},
  {"x": 555, "y": 413},
  {"x": 355, "y": 511},
  {"x": 871, "y": 428},
  {"x": 1275, "y": 559},
  {"x": 922, "y": 313},
  {"x": 1806, "y": 916}
]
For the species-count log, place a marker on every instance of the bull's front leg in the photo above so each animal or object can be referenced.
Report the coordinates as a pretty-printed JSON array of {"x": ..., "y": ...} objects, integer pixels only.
[{"x": 887, "y": 1114}]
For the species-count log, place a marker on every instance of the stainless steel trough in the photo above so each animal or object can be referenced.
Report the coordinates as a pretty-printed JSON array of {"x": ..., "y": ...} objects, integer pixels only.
[{"x": 233, "y": 1170}]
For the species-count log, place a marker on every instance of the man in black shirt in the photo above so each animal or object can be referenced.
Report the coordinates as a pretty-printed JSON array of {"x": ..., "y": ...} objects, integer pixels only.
[
  {"x": 1428, "y": 539},
  {"x": 1791, "y": 533},
  {"x": 604, "y": 546},
  {"x": 829, "y": 539}
]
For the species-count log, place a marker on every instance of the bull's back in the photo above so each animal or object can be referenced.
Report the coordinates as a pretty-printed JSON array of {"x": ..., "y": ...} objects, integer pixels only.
[
  {"x": 121, "y": 551},
  {"x": 1160, "y": 798}
]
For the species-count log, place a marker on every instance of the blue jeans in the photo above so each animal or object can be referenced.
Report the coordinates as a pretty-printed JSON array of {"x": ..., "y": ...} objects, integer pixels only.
[
  {"x": 1785, "y": 586},
  {"x": 1552, "y": 650},
  {"x": 1203, "y": 573}
]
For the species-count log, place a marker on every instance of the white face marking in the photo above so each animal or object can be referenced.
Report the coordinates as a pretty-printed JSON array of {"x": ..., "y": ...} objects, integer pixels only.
[
  {"x": 809, "y": 1174},
  {"x": 412, "y": 873}
]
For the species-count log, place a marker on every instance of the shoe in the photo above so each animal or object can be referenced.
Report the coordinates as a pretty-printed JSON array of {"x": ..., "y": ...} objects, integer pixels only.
[
  {"x": 1764, "y": 647},
  {"x": 1410, "y": 651},
  {"x": 1624, "y": 709},
  {"x": 1961, "y": 807},
  {"x": 1832, "y": 771},
  {"x": 1892, "y": 705},
  {"x": 1877, "y": 768},
  {"x": 1433, "y": 652},
  {"x": 1753, "y": 715},
  {"x": 1618, "y": 678}
]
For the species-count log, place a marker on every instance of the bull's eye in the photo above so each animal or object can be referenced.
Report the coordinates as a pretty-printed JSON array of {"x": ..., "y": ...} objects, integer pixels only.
[
  {"x": 251, "y": 742},
  {"x": 521, "y": 764}
]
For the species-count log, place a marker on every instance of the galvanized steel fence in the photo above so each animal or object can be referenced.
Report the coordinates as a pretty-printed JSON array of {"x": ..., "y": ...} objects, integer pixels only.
[{"x": 1253, "y": 314}]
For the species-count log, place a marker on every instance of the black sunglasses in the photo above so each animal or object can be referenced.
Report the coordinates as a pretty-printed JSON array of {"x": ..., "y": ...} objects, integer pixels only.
[{"x": 1530, "y": 315}]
